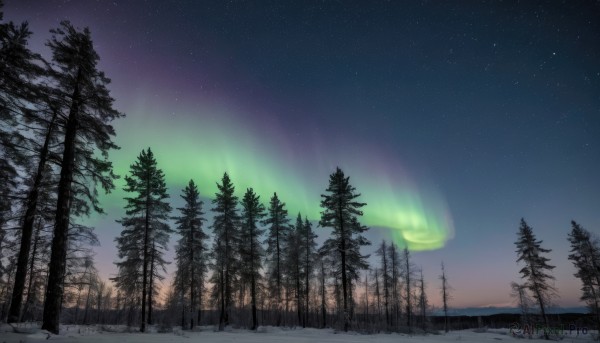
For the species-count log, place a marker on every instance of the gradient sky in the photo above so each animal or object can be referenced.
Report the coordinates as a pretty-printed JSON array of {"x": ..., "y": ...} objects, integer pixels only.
[{"x": 453, "y": 120}]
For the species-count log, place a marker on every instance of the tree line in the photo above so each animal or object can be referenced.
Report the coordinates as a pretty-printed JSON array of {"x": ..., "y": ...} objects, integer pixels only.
[
  {"x": 56, "y": 135},
  {"x": 261, "y": 267}
]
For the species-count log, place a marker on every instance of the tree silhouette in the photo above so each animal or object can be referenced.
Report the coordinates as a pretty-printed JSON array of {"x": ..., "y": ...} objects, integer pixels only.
[{"x": 340, "y": 212}]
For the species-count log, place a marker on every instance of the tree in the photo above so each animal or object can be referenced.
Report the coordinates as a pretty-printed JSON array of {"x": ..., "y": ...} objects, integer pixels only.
[
  {"x": 585, "y": 255},
  {"x": 146, "y": 231},
  {"x": 382, "y": 253},
  {"x": 26, "y": 120},
  {"x": 309, "y": 247},
  {"x": 251, "y": 252},
  {"x": 394, "y": 275},
  {"x": 226, "y": 239},
  {"x": 445, "y": 292},
  {"x": 278, "y": 222},
  {"x": 408, "y": 279},
  {"x": 294, "y": 261},
  {"x": 423, "y": 302},
  {"x": 340, "y": 212},
  {"x": 519, "y": 292},
  {"x": 87, "y": 140},
  {"x": 536, "y": 270},
  {"x": 191, "y": 250}
]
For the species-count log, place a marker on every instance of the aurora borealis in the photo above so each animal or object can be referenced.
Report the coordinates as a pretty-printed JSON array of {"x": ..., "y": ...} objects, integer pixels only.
[
  {"x": 213, "y": 140},
  {"x": 453, "y": 120}
]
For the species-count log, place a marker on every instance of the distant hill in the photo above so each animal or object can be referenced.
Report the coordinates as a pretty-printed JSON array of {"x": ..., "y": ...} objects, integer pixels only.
[{"x": 487, "y": 311}]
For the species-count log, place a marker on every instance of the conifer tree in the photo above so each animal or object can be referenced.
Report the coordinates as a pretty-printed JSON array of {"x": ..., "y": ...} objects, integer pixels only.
[
  {"x": 84, "y": 98},
  {"x": 191, "y": 250},
  {"x": 423, "y": 302},
  {"x": 536, "y": 270},
  {"x": 278, "y": 229},
  {"x": 445, "y": 292},
  {"x": 226, "y": 239},
  {"x": 251, "y": 251},
  {"x": 382, "y": 253},
  {"x": 145, "y": 232},
  {"x": 26, "y": 132},
  {"x": 395, "y": 265},
  {"x": 585, "y": 255},
  {"x": 340, "y": 212},
  {"x": 294, "y": 261},
  {"x": 309, "y": 247}
]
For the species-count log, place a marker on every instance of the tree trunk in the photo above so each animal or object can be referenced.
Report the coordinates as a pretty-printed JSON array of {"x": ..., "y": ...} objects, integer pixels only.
[
  {"x": 145, "y": 257},
  {"x": 14, "y": 314},
  {"x": 151, "y": 284},
  {"x": 29, "y": 299},
  {"x": 58, "y": 256},
  {"x": 344, "y": 277},
  {"x": 222, "y": 291},
  {"x": 192, "y": 265},
  {"x": 323, "y": 312},
  {"x": 253, "y": 284},
  {"x": 307, "y": 281},
  {"x": 298, "y": 304}
]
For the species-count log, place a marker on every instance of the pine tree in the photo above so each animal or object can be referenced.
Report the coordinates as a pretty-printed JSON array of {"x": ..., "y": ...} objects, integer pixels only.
[
  {"x": 146, "y": 232},
  {"x": 294, "y": 261},
  {"x": 191, "y": 249},
  {"x": 340, "y": 212},
  {"x": 278, "y": 229},
  {"x": 585, "y": 255},
  {"x": 309, "y": 247},
  {"x": 382, "y": 253},
  {"x": 536, "y": 271},
  {"x": 226, "y": 239},
  {"x": 395, "y": 273},
  {"x": 423, "y": 302},
  {"x": 25, "y": 121},
  {"x": 82, "y": 91},
  {"x": 251, "y": 252}
]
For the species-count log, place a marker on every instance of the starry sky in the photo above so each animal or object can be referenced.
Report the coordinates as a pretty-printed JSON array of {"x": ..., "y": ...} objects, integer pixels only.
[{"x": 453, "y": 120}]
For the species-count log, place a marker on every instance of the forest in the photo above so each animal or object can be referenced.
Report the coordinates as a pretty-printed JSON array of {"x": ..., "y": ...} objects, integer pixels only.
[{"x": 254, "y": 264}]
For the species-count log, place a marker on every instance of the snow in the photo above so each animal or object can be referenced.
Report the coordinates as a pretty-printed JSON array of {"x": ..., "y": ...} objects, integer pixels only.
[{"x": 121, "y": 334}]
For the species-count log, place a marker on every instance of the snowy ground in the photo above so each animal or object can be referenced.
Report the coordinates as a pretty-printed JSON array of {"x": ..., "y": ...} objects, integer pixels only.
[{"x": 93, "y": 334}]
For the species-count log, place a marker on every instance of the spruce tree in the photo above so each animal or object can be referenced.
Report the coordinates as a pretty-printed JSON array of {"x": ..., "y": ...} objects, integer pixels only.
[
  {"x": 278, "y": 229},
  {"x": 294, "y": 261},
  {"x": 309, "y": 247},
  {"x": 385, "y": 268},
  {"x": 226, "y": 239},
  {"x": 145, "y": 232},
  {"x": 536, "y": 270},
  {"x": 585, "y": 255},
  {"x": 340, "y": 212},
  {"x": 251, "y": 251},
  {"x": 191, "y": 250},
  {"x": 423, "y": 302},
  {"x": 445, "y": 292},
  {"x": 395, "y": 265},
  {"x": 88, "y": 107},
  {"x": 27, "y": 128}
]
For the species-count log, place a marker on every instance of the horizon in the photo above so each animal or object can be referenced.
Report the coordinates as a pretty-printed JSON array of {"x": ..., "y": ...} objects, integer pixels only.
[{"x": 466, "y": 122}]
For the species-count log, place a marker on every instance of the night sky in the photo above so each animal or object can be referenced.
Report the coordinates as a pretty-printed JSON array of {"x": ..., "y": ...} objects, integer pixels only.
[{"x": 452, "y": 120}]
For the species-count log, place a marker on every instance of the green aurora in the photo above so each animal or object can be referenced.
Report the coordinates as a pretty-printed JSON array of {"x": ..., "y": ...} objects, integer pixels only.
[{"x": 194, "y": 143}]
